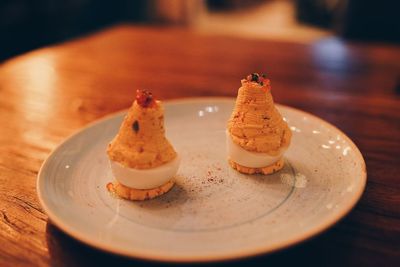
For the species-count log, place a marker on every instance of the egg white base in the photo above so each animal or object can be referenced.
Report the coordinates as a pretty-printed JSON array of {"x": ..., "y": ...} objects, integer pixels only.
[
  {"x": 248, "y": 158},
  {"x": 145, "y": 178}
]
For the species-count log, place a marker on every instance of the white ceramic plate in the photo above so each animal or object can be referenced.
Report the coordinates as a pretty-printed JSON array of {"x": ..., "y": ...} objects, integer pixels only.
[{"x": 213, "y": 212}]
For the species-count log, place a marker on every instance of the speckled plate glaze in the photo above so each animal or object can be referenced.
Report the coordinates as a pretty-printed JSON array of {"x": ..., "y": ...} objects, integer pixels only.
[{"x": 213, "y": 212}]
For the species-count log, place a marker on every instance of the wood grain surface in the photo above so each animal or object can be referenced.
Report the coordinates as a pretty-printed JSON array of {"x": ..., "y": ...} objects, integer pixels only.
[{"x": 48, "y": 94}]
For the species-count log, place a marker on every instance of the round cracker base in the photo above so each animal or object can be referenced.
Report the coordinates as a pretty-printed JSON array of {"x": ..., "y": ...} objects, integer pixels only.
[
  {"x": 264, "y": 170},
  {"x": 138, "y": 194}
]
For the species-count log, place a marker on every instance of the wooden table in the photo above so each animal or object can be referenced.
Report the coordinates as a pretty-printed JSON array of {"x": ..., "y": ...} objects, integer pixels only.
[{"x": 50, "y": 93}]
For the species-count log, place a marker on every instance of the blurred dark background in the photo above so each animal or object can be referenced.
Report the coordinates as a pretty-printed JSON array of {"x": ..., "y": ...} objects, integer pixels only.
[{"x": 29, "y": 24}]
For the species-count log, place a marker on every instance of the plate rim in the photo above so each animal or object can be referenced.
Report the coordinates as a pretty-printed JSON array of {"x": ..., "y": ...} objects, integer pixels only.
[{"x": 156, "y": 257}]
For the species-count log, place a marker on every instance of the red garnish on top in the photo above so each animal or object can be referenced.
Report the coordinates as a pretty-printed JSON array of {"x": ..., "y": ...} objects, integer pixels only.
[
  {"x": 255, "y": 77},
  {"x": 144, "y": 98}
]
